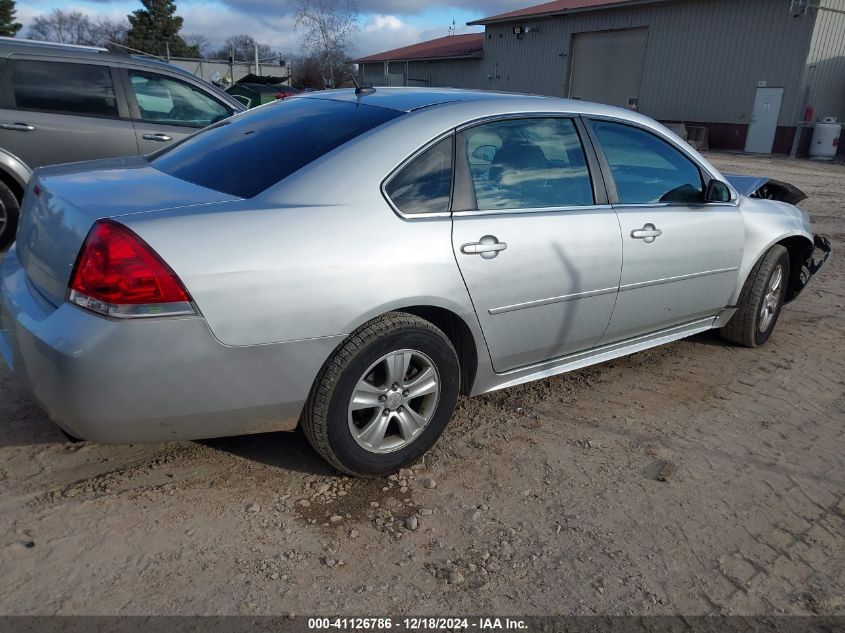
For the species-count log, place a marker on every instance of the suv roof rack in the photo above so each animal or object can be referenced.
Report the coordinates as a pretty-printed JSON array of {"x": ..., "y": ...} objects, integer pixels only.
[{"x": 26, "y": 42}]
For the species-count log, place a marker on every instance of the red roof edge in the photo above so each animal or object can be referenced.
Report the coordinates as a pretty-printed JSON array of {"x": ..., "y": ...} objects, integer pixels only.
[
  {"x": 464, "y": 45},
  {"x": 556, "y": 7}
]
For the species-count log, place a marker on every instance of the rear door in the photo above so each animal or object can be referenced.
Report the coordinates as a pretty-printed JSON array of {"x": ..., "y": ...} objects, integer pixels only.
[
  {"x": 538, "y": 247},
  {"x": 55, "y": 111},
  {"x": 681, "y": 254},
  {"x": 166, "y": 108}
]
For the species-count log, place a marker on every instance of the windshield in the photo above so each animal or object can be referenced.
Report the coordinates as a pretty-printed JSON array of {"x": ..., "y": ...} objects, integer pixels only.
[{"x": 247, "y": 154}]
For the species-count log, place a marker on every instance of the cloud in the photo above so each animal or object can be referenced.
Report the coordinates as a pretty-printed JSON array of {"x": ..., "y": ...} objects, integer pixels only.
[
  {"x": 384, "y": 24},
  {"x": 482, "y": 8},
  {"x": 384, "y": 32},
  {"x": 219, "y": 22}
]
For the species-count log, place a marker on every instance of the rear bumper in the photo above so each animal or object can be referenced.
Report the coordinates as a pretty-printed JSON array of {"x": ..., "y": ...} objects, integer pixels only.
[
  {"x": 140, "y": 380},
  {"x": 810, "y": 265}
]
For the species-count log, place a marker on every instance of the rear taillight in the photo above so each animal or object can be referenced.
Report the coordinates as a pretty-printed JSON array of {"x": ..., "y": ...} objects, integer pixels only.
[{"x": 119, "y": 275}]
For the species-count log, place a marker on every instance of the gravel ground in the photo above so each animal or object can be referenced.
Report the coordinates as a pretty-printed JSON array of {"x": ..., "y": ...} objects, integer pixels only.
[{"x": 695, "y": 478}]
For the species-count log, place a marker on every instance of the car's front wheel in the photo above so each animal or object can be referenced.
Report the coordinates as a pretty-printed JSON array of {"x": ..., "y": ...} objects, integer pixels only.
[
  {"x": 385, "y": 396},
  {"x": 760, "y": 301},
  {"x": 9, "y": 212}
]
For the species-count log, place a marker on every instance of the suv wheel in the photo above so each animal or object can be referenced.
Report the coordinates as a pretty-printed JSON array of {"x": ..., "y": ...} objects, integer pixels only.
[
  {"x": 385, "y": 396},
  {"x": 9, "y": 212}
]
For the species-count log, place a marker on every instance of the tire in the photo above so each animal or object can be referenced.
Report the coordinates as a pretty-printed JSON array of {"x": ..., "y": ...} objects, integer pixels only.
[
  {"x": 10, "y": 211},
  {"x": 361, "y": 368},
  {"x": 750, "y": 326}
]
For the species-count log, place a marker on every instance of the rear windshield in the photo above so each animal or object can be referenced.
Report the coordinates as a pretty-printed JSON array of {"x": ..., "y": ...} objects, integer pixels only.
[{"x": 245, "y": 155}]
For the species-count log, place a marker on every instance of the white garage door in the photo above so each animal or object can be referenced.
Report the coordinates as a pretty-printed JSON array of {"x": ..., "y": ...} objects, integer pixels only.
[{"x": 607, "y": 66}]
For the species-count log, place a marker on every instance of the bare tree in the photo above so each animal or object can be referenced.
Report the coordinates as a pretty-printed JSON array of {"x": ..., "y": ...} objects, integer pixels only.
[
  {"x": 243, "y": 47},
  {"x": 74, "y": 27},
  {"x": 198, "y": 41},
  {"x": 328, "y": 28},
  {"x": 105, "y": 30}
]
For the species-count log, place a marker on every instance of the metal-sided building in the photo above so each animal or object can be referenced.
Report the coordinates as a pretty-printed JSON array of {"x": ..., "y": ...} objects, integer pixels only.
[
  {"x": 446, "y": 61},
  {"x": 746, "y": 70}
]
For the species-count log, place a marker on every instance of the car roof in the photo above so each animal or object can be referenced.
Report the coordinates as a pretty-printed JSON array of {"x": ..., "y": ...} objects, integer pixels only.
[
  {"x": 11, "y": 45},
  {"x": 410, "y": 99}
]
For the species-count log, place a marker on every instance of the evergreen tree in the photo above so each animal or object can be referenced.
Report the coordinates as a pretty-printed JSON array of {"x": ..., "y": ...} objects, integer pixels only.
[
  {"x": 8, "y": 26},
  {"x": 155, "y": 28}
]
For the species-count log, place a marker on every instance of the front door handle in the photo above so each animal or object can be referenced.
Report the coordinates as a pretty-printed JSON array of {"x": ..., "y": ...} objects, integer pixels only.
[
  {"x": 18, "y": 127},
  {"x": 647, "y": 234},
  {"x": 163, "y": 138},
  {"x": 488, "y": 247}
]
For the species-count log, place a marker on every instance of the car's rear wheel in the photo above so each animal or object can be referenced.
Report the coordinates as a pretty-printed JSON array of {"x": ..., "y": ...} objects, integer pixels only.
[
  {"x": 9, "y": 213},
  {"x": 385, "y": 396},
  {"x": 760, "y": 301}
]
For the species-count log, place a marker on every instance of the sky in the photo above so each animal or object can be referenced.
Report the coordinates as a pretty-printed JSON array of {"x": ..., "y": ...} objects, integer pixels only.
[{"x": 383, "y": 24}]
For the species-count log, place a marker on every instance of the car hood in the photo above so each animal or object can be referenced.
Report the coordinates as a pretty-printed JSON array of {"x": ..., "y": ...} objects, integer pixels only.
[{"x": 766, "y": 188}]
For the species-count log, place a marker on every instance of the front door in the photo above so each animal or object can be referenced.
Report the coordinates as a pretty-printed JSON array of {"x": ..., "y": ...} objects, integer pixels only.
[
  {"x": 540, "y": 258},
  {"x": 680, "y": 254},
  {"x": 764, "y": 121},
  {"x": 167, "y": 109}
]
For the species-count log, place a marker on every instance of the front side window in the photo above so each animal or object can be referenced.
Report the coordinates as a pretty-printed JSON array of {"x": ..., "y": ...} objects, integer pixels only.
[
  {"x": 171, "y": 102},
  {"x": 528, "y": 163},
  {"x": 253, "y": 151},
  {"x": 65, "y": 88},
  {"x": 646, "y": 169},
  {"x": 425, "y": 184}
]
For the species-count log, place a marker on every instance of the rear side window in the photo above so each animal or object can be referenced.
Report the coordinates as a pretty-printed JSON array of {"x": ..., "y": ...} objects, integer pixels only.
[
  {"x": 249, "y": 153},
  {"x": 528, "y": 163},
  {"x": 425, "y": 184},
  {"x": 62, "y": 87},
  {"x": 646, "y": 169}
]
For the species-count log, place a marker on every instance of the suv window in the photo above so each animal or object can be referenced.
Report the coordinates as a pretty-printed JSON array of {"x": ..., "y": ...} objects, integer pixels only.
[
  {"x": 63, "y": 87},
  {"x": 172, "y": 102},
  {"x": 647, "y": 169},
  {"x": 425, "y": 184},
  {"x": 246, "y": 154},
  {"x": 528, "y": 163}
]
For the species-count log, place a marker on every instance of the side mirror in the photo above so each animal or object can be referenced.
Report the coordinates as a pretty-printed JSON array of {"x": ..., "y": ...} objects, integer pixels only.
[{"x": 717, "y": 191}]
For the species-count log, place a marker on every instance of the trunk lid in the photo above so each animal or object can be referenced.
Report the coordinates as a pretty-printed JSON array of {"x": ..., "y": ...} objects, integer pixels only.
[{"x": 63, "y": 202}]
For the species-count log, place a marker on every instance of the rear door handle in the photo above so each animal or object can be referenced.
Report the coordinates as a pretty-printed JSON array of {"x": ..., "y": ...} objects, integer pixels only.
[
  {"x": 163, "y": 138},
  {"x": 18, "y": 127},
  {"x": 647, "y": 234},
  {"x": 488, "y": 247}
]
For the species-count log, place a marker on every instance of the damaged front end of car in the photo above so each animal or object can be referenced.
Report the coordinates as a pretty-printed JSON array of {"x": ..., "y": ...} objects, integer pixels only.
[
  {"x": 808, "y": 260},
  {"x": 811, "y": 263},
  {"x": 766, "y": 188}
]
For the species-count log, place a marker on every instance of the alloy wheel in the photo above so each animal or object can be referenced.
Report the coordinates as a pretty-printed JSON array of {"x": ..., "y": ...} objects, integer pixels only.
[
  {"x": 394, "y": 401},
  {"x": 771, "y": 300}
]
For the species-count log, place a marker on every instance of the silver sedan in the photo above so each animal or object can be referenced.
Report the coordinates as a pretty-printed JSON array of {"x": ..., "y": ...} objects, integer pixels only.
[{"x": 352, "y": 261}]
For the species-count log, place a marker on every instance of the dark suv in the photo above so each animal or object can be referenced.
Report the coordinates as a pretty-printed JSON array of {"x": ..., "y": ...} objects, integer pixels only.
[{"x": 62, "y": 103}]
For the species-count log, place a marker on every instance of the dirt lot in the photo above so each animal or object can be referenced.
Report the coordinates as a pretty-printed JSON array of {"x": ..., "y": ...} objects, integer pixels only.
[{"x": 539, "y": 499}]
